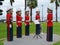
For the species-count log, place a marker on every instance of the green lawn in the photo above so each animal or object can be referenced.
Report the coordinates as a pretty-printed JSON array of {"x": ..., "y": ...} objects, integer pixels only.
[
  {"x": 58, "y": 43},
  {"x": 3, "y": 30},
  {"x": 1, "y": 43}
]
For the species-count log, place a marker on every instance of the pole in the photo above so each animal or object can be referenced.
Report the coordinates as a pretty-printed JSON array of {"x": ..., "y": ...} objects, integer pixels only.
[
  {"x": 42, "y": 20},
  {"x": 42, "y": 12}
]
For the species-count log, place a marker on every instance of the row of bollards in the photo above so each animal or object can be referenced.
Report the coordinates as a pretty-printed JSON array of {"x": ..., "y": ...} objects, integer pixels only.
[{"x": 19, "y": 24}]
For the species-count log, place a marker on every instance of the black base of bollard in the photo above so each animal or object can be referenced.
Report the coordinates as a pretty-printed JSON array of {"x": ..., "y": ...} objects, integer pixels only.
[
  {"x": 19, "y": 32},
  {"x": 27, "y": 30},
  {"x": 49, "y": 34}
]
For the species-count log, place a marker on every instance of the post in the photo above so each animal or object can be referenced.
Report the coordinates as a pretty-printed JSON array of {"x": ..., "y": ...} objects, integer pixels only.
[
  {"x": 49, "y": 26},
  {"x": 42, "y": 12},
  {"x": 9, "y": 22}
]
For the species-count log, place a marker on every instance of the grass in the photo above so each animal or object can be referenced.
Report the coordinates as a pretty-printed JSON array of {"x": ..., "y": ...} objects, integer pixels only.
[
  {"x": 1, "y": 43},
  {"x": 58, "y": 43},
  {"x": 56, "y": 28},
  {"x": 3, "y": 30}
]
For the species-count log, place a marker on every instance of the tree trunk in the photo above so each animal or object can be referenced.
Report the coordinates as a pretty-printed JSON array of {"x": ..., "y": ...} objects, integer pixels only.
[
  {"x": 25, "y": 4},
  {"x": 31, "y": 14},
  {"x": 56, "y": 11},
  {"x": 11, "y": 1}
]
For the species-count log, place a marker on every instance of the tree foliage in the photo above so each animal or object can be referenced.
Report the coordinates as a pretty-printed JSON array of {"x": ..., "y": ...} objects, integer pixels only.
[{"x": 32, "y": 3}]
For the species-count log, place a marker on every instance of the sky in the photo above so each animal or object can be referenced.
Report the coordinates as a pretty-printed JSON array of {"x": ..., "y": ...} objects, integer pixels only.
[{"x": 19, "y": 4}]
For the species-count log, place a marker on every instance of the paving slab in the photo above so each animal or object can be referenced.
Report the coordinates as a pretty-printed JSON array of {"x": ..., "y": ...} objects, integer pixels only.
[{"x": 29, "y": 40}]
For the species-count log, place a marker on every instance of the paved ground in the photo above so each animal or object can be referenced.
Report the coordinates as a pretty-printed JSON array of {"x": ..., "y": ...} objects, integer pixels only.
[{"x": 29, "y": 40}]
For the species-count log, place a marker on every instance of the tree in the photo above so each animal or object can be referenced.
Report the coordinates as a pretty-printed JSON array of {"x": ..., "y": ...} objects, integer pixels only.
[
  {"x": 1, "y": 11},
  {"x": 32, "y": 4},
  {"x": 11, "y": 1},
  {"x": 52, "y": 1},
  {"x": 1, "y": 2},
  {"x": 57, "y": 4}
]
